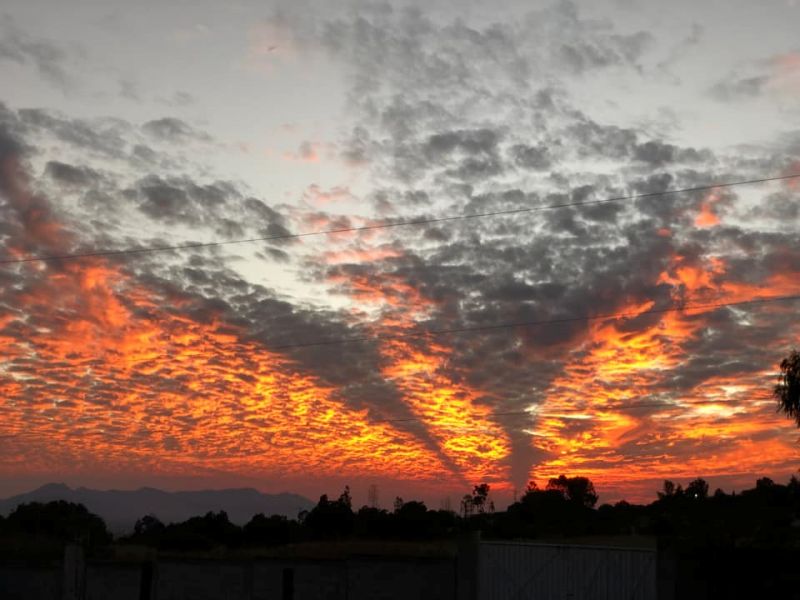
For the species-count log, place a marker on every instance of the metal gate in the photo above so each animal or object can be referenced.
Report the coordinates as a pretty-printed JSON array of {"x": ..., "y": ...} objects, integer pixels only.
[{"x": 538, "y": 571}]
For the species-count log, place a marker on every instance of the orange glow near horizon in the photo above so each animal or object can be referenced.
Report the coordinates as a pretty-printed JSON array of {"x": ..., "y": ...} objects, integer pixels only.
[
  {"x": 114, "y": 376},
  {"x": 208, "y": 396},
  {"x": 614, "y": 444}
]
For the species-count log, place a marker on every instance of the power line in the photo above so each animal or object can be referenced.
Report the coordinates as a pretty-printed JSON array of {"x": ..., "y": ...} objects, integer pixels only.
[
  {"x": 561, "y": 413},
  {"x": 494, "y": 327},
  {"x": 556, "y": 412},
  {"x": 512, "y": 211},
  {"x": 511, "y": 325}
]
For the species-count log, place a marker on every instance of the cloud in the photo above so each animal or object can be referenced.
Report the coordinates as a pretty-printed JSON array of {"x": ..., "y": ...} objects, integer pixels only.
[
  {"x": 173, "y": 130},
  {"x": 104, "y": 137},
  {"x": 456, "y": 151},
  {"x": 531, "y": 157},
  {"x": 162, "y": 363},
  {"x": 580, "y": 56},
  {"x": 739, "y": 89},
  {"x": 49, "y": 59},
  {"x": 178, "y": 99},
  {"x": 208, "y": 351},
  {"x": 658, "y": 154},
  {"x": 69, "y": 175},
  {"x": 777, "y": 74}
]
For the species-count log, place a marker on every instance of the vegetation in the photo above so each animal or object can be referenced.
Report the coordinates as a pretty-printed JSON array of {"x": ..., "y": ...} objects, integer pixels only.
[
  {"x": 766, "y": 516},
  {"x": 760, "y": 517},
  {"x": 40, "y": 530},
  {"x": 787, "y": 391}
]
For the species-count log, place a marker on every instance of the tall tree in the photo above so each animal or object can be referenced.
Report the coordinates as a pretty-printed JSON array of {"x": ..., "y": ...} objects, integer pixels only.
[
  {"x": 467, "y": 506},
  {"x": 669, "y": 490},
  {"x": 480, "y": 497},
  {"x": 59, "y": 520},
  {"x": 697, "y": 489},
  {"x": 787, "y": 391},
  {"x": 579, "y": 490}
]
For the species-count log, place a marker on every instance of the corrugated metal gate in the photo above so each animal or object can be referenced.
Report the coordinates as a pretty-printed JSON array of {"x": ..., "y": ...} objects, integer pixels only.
[{"x": 537, "y": 571}]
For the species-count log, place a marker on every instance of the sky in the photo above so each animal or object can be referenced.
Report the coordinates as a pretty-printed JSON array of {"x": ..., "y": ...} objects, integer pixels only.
[{"x": 314, "y": 360}]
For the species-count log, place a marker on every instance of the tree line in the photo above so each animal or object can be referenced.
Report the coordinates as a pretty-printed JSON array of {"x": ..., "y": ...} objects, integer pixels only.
[{"x": 766, "y": 515}]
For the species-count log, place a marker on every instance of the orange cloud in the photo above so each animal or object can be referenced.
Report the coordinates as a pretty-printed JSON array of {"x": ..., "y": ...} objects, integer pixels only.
[
  {"x": 121, "y": 381},
  {"x": 100, "y": 371},
  {"x": 707, "y": 217},
  {"x": 309, "y": 152},
  {"x": 586, "y": 423},
  {"x": 465, "y": 431},
  {"x": 316, "y": 196},
  {"x": 788, "y": 63},
  {"x": 361, "y": 255}
]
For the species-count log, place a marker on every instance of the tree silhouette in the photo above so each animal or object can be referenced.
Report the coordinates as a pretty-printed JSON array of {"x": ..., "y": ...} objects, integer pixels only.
[
  {"x": 545, "y": 511},
  {"x": 787, "y": 391},
  {"x": 345, "y": 499},
  {"x": 466, "y": 506},
  {"x": 274, "y": 530},
  {"x": 480, "y": 497},
  {"x": 330, "y": 519},
  {"x": 201, "y": 533},
  {"x": 60, "y": 520},
  {"x": 148, "y": 525},
  {"x": 697, "y": 489},
  {"x": 579, "y": 490},
  {"x": 669, "y": 490}
]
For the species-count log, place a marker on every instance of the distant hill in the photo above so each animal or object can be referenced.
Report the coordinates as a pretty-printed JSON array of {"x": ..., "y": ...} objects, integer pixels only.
[{"x": 121, "y": 508}]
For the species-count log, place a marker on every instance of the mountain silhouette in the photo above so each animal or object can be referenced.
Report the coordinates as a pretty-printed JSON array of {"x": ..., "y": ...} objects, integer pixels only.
[{"x": 121, "y": 508}]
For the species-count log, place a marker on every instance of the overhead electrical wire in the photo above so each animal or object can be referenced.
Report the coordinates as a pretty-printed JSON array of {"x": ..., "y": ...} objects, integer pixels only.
[
  {"x": 586, "y": 413},
  {"x": 461, "y": 330},
  {"x": 484, "y": 328},
  {"x": 497, "y": 213},
  {"x": 515, "y": 324},
  {"x": 557, "y": 412}
]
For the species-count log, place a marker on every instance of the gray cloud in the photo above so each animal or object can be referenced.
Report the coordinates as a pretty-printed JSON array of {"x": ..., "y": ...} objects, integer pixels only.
[
  {"x": 619, "y": 49},
  {"x": 744, "y": 88},
  {"x": 457, "y": 152},
  {"x": 47, "y": 58},
  {"x": 105, "y": 137},
  {"x": 70, "y": 175},
  {"x": 532, "y": 157},
  {"x": 170, "y": 129},
  {"x": 447, "y": 118}
]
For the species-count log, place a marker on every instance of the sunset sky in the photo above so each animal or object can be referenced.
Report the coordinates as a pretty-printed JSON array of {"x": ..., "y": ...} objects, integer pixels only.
[{"x": 128, "y": 126}]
